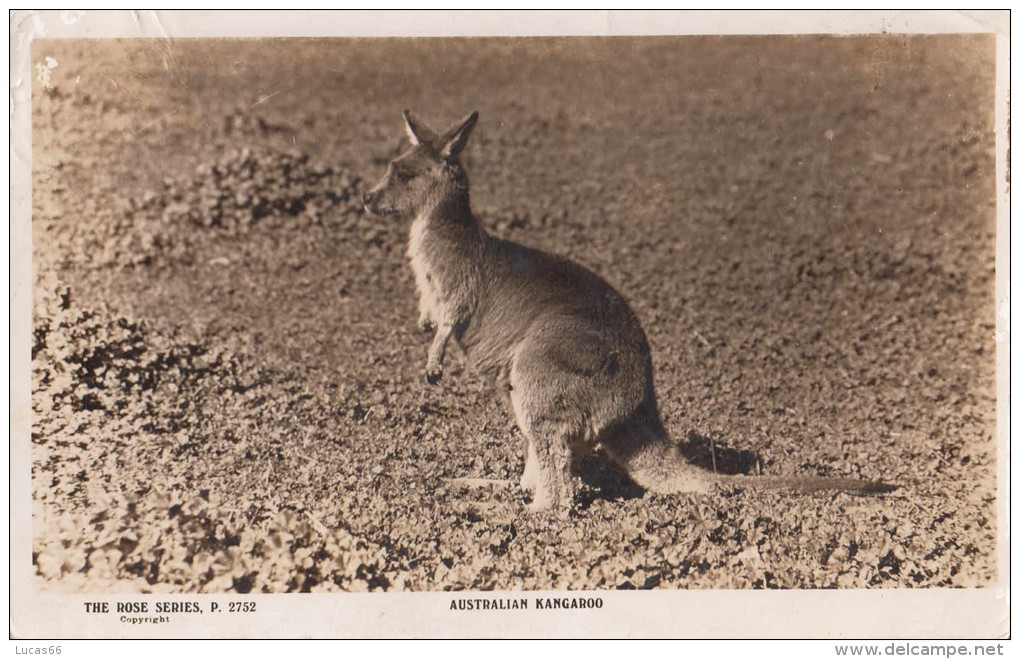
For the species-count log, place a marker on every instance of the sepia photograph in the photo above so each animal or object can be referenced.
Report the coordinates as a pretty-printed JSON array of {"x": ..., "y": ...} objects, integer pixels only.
[{"x": 525, "y": 321}]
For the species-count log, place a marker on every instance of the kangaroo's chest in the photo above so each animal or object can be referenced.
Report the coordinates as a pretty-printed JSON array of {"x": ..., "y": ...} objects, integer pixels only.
[{"x": 430, "y": 298}]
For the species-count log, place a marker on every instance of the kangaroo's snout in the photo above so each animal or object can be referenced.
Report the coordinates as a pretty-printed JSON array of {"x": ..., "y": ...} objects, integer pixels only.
[{"x": 371, "y": 201}]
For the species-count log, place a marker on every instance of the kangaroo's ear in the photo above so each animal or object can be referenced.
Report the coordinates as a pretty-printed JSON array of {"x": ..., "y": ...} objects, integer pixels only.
[
  {"x": 455, "y": 139},
  {"x": 417, "y": 131}
]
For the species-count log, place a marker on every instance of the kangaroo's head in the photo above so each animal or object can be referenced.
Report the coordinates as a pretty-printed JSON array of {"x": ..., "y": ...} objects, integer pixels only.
[{"x": 426, "y": 177}]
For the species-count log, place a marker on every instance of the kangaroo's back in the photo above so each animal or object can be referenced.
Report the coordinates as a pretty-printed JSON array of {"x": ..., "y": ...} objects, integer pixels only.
[{"x": 526, "y": 291}]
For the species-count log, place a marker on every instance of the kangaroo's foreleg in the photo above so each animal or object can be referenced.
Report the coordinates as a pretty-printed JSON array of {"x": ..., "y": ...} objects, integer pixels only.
[
  {"x": 445, "y": 328},
  {"x": 437, "y": 351}
]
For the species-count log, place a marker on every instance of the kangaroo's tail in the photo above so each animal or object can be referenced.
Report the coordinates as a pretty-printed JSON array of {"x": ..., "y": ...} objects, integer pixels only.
[
  {"x": 806, "y": 483},
  {"x": 656, "y": 464}
]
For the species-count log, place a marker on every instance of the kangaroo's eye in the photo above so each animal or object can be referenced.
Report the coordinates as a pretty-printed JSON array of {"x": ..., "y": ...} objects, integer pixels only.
[{"x": 404, "y": 177}]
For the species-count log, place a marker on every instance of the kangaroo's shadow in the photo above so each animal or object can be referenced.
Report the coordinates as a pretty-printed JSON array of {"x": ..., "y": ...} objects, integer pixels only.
[
  {"x": 605, "y": 480},
  {"x": 710, "y": 455}
]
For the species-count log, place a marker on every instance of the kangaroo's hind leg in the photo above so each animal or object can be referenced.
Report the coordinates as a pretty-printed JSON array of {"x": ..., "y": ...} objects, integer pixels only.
[
  {"x": 551, "y": 428},
  {"x": 547, "y": 466},
  {"x": 547, "y": 458},
  {"x": 529, "y": 479}
]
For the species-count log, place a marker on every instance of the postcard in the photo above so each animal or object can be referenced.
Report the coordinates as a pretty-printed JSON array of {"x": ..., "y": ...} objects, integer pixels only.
[{"x": 509, "y": 324}]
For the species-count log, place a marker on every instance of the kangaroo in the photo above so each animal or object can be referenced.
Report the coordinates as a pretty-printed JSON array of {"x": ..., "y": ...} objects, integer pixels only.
[{"x": 564, "y": 346}]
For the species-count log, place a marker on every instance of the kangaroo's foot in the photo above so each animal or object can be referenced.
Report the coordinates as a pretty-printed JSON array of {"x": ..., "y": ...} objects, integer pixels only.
[
  {"x": 547, "y": 475},
  {"x": 433, "y": 372},
  {"x": 529, "y": 479}
]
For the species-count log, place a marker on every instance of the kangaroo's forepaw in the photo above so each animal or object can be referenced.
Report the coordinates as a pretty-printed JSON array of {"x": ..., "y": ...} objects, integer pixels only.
[
  {"x": 426, "y": 325},
  {"x": 433, "y": 372}
]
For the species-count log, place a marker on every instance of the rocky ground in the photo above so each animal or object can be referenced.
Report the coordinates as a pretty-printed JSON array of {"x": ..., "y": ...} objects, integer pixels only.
[{"x": 228, "y": 386}]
